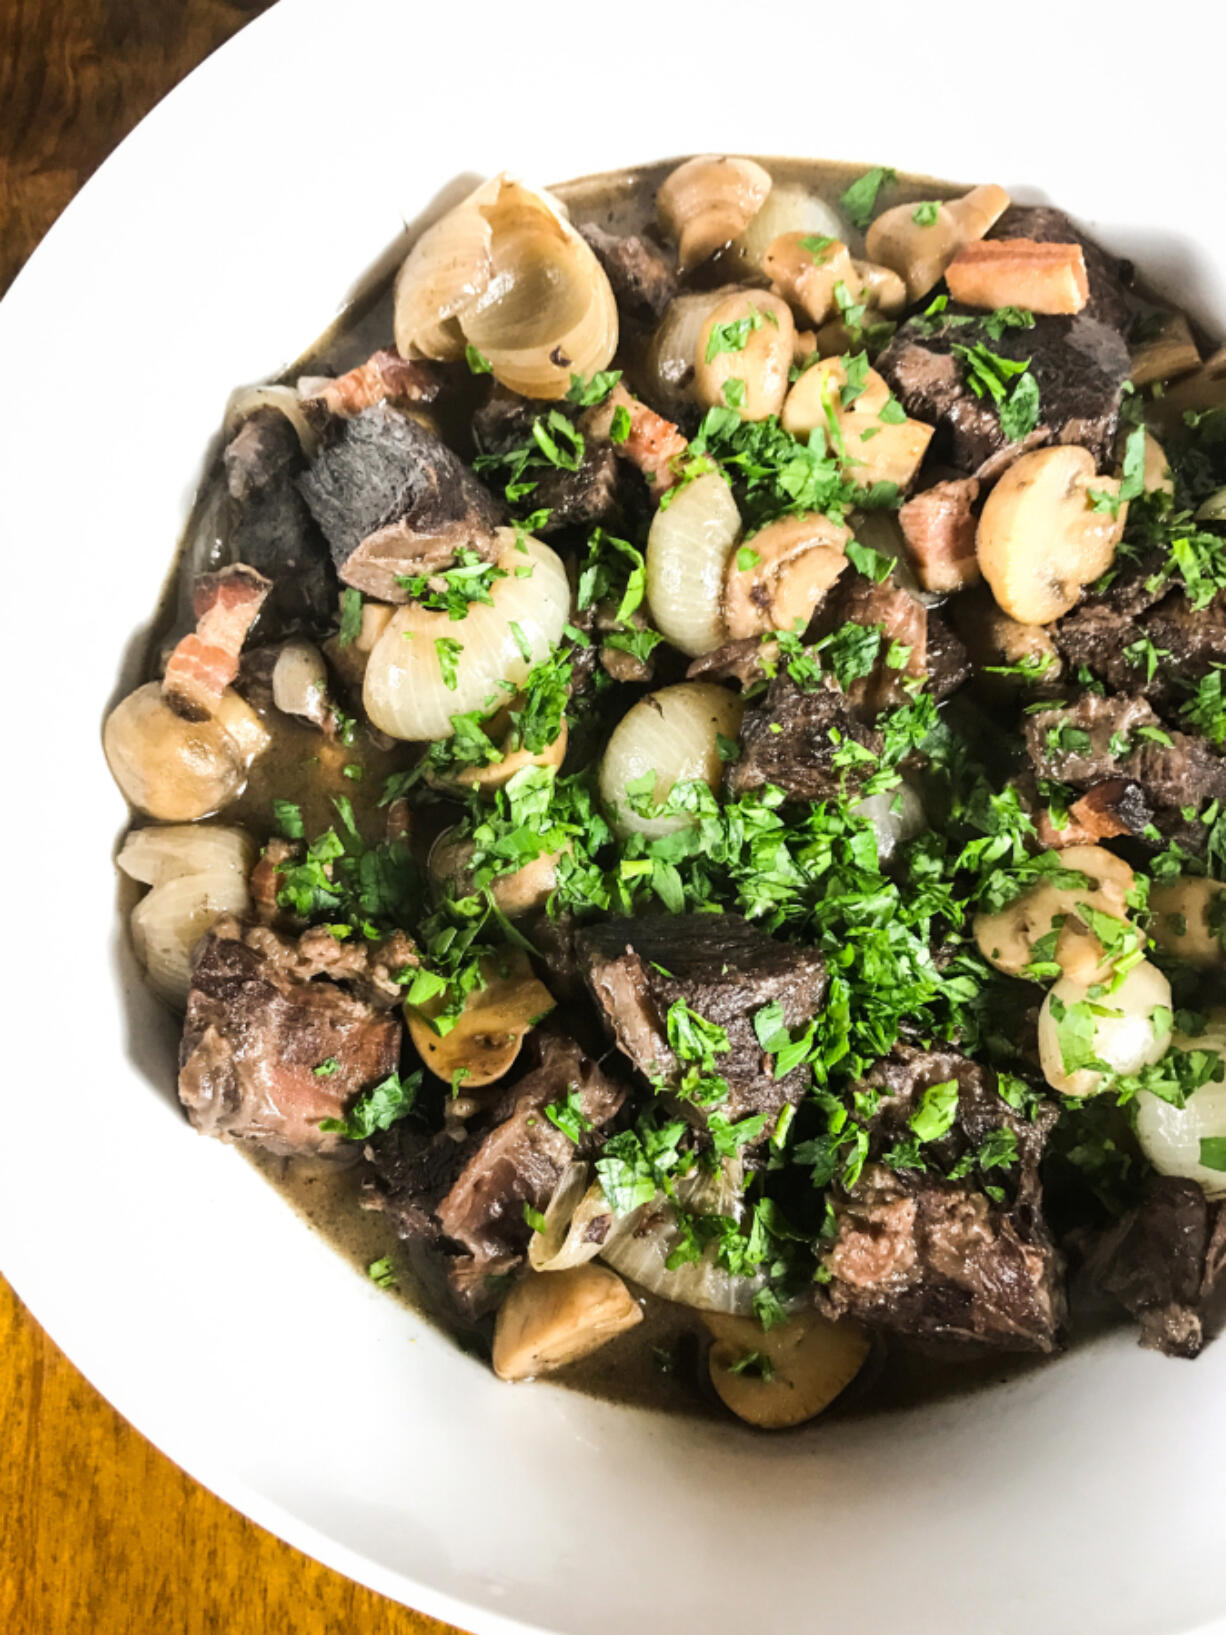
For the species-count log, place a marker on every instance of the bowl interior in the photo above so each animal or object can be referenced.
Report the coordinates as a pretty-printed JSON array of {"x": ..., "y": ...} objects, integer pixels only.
[{"x": 208, "y": 252}]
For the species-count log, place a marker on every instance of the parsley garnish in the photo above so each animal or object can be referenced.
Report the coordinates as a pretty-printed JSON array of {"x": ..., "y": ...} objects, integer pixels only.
[
  {"x": 860, "y": 199},
  {"x": 377, "y": 1108}
]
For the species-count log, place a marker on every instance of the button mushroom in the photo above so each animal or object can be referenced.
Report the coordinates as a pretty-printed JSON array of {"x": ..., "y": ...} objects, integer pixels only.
[
  {"x": 515, "y": 893},
  {"x": 920, "y": 244},
  {"x": 550, "y": 1319},
  {"x": 171, "y": 768},
  {"x": 804, "y": 269},
  {"x": 1007, "y": 938},
  {"x": 707, "y": 202},
  {"x": 881, "y": 288},
  {"x": 784, "y": 1375},
  {"x": 780, "y": 576},
  {"x": 872, "y": 449},
  {"x": 1156, "y": 475},
  {"x": 484, "y": 1040},
  {"x": 1189, "y": 919},
  {"x": 744, "y": 354},
  {"x": 1041, "y": 538}
]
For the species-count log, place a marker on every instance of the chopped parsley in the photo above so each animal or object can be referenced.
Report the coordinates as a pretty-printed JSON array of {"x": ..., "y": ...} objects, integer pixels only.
[
  {"x": 860, "y": 199},
  {"x": 378, "y": 1108},
  {"x": 926, "y": 214}
]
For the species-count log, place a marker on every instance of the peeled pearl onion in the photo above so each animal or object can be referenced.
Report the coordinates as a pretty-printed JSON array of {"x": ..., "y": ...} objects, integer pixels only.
[{"x": 672, "y": 733}]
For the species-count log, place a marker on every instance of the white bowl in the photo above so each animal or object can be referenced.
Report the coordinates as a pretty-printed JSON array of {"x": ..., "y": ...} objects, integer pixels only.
[{"x": 222, "y": 237}]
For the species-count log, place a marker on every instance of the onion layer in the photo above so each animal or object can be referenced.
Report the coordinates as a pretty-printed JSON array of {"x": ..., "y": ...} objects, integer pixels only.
[
  {"x": 1171, "y": 1137},
  {"x": 577, "y": 1205},
  {"x": 897, "y": 815},
  {"x": 155, "y": 855},
  {"x": 405, "y": 689},
  {"x": 169, "y": 922},
  {"x": 506, "y": 272},
  {"x": 688, "y": 550},
  {"x": 790, "y": 208},
  {"x": 673, "y": 733},
  {"x": 1127, "y": 1038}
]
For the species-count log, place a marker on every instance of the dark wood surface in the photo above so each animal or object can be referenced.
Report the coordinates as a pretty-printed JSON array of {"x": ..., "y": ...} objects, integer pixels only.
[{"x": 99, "y": 1533}]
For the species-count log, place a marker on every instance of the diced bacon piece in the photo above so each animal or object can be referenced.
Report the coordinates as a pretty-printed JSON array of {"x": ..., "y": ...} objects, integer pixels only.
[
  {"x": 1018, "y": 272},
  {"x": 204, "y": 663},
  {"x": 653, "y": 444},
  {"x": 384, "y": 377},
  {"x": 264, "y": 884},
  {"x": 939, "y": 528}
]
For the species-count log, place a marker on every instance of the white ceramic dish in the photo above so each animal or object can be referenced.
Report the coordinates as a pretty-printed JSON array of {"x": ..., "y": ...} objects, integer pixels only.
[{"x": 220, "y": 239}]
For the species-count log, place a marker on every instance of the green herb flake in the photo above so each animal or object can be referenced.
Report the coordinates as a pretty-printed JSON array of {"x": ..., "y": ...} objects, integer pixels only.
[{"x": 860, "y": 199}]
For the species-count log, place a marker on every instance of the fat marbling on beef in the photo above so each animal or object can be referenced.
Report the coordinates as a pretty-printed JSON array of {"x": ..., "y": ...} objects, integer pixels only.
[
  {"x": 723, "y": 969},
  {"x": 917, "y": 1253},
  {"x": 466, "y": 1197}
]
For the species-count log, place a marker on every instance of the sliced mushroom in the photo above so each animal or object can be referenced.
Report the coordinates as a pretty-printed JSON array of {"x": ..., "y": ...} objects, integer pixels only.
[
  {"x": 1040, "y": 538},
  {"x": 881, "y": 287},
  {"x": 1203, "y": 389},
  {"x": 496, "y": 775},
  {"x": 1167, "y": 353},
  {"x": 920, "y": 250},
  {"x": 786, "y": 1374},
  {"x": 778, "y": 578},
  {"x": 1018, "y": 272},
  {"x": 517, "y": 893},
  {"x": 550, "y": 1319},
  {"x": 748, "y": 339},
  {"x": 1189, "y": 919},
  {"x": 707, "y": 202},
  {"x": 872, "y": 449},
  {"x": 1007, "y": 938},
  {"x": 486, "y": 1038},
  {"x": 806, "y": 270}
]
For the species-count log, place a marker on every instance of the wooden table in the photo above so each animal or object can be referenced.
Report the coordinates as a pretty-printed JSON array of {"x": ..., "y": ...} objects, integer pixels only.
[{"x": 99, "y": 1533}]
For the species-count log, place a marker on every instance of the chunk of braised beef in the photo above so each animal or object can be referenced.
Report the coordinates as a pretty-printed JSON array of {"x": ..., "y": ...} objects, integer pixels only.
[
  {"x": 903, "y": 654},
  {"x": 467, "y": 1198},
  {"x": 640, "y": 272},
  {"x": 918, "y": 1252},
  {"x": 269, "y": 1050},
  {"x": 266, "y": 523},
  {"x": 810, "y": 744},
  {"x": 1164, "y": 1262},
  {"x": 1098, "y": 738},
  {"x": 590, "y": 494},
  {"x": 938, "y": 525},
  {"x": 394, "y": 501},
  {"x": 948, "y": 662},
  {"x": 1159, "y": 652},
  {"x": 724, "y": 970},
  {"x": 1079, "y": 364}
]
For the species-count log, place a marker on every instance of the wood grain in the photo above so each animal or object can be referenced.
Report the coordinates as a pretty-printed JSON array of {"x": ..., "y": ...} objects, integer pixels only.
[{"x": 99, "y": 1533}]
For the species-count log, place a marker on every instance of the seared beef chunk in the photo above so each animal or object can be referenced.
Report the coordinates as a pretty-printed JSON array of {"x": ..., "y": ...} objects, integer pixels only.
[
  {"x": 266, "y": 523},
  {"x": 1115, "y": 647},
  {"x": 1163, "y": 1262},
  {"x": 1109, "y": 300},
  {"x": 257, "y": 1028},
  {"x": 903, "y": 622},
  {"x": 394, "y": 500},
  {"x": 1095, "y": 739},
  {"x": 1098, "y": 637},
  {"x": 797, "y": 740},
  {"x": 573, "y": 498},
  {"x": 949, "y": 663},
  {"x": 1107, "y": 810},
  {"x": 722, "y": 968},
  {"x": 742, "y": 660},
  {"x": 916, "y": 1253},
  {"x": 640, "y": 272},
  {"x": 1080, "y": 366},
  {"x": 468, "y": 1198}
]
